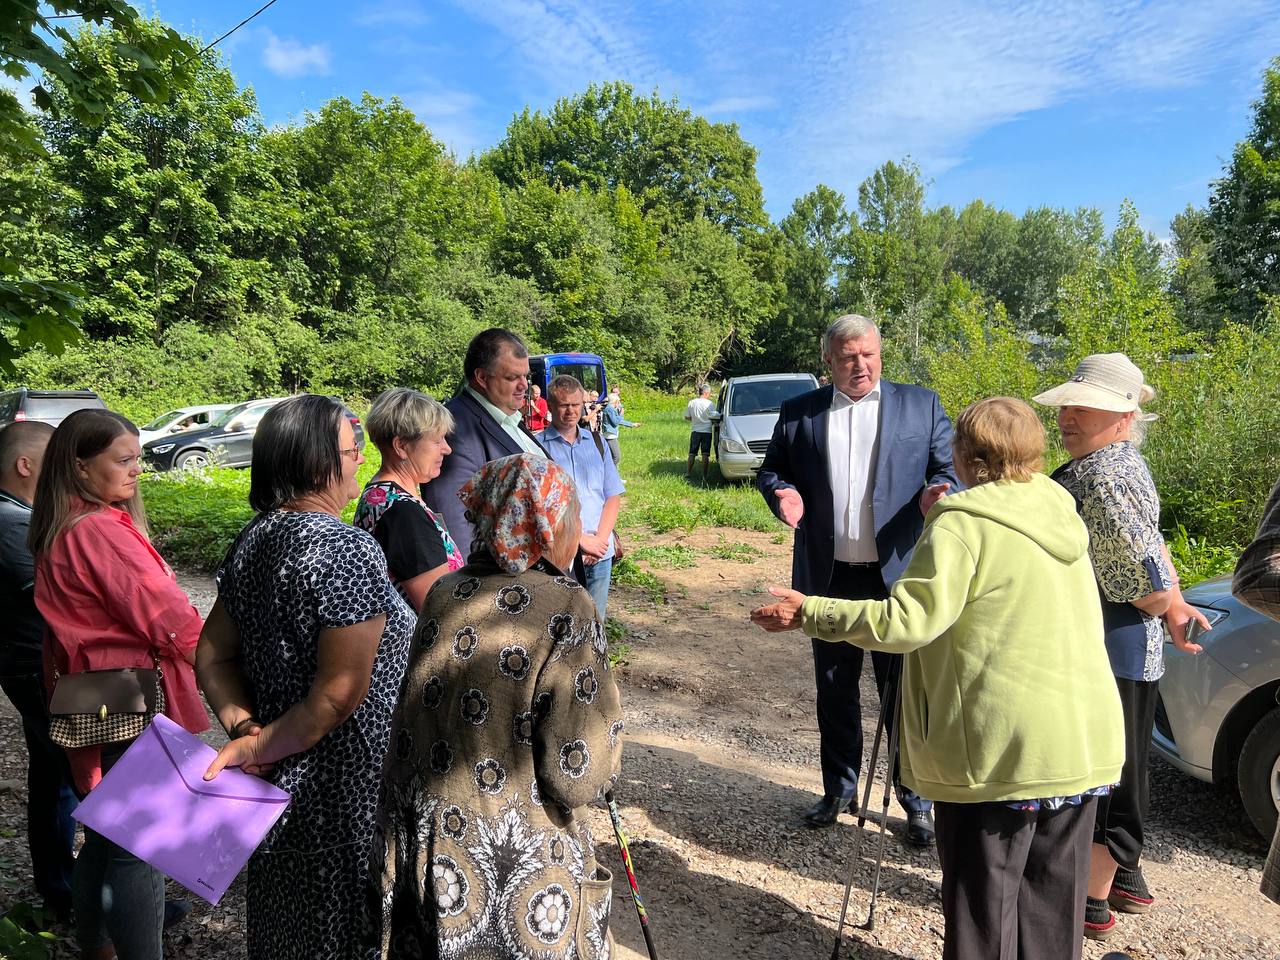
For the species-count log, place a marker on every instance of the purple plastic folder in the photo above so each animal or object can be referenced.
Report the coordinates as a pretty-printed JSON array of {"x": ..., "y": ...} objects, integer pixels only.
[{"x": 156, "y": 804}]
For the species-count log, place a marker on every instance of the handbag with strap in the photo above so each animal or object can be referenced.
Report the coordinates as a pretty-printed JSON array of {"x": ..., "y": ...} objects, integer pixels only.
[{"x": 104, "y": 706}]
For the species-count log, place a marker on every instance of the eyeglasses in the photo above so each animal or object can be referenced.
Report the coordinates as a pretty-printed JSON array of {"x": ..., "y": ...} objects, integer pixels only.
[{"x": 352, "y": 452}]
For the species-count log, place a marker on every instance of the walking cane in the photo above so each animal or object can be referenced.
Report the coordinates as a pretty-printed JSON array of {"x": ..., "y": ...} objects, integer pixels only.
[
  {"x": 631, "y": 874},
  {"x": 889, "y": 702}
]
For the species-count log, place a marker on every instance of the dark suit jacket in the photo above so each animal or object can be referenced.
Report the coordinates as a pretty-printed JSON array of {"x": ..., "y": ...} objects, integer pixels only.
[
  {"x": 476, "y": 439},
  {"x": 914, "y": 451}
]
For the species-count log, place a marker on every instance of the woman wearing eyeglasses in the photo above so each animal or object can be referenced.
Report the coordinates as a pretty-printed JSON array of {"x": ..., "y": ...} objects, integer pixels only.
[{"x": 301, "y": 658}]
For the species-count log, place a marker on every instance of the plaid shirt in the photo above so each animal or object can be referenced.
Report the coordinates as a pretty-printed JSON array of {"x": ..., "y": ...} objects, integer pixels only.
[{"x": 1257, "y": 579}]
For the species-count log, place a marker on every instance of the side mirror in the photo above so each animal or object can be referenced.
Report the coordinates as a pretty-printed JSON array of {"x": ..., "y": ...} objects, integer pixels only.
[
  {"x": 235, "y": 425},
  {"x": 716, "y": 417}
]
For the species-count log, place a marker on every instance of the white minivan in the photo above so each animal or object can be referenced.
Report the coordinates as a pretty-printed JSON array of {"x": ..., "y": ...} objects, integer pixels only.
[{"x": 746, "y": 414}]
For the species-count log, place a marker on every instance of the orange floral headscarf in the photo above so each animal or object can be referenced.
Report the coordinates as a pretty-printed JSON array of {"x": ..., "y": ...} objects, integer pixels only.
[{"x": 516, "y": 504}]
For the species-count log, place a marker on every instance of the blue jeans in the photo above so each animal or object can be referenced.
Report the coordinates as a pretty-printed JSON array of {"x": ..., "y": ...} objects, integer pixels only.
[
  {"x": 118, "y": 898},
  {"x": 51, "y": 833},
  {"x": 598, "y": 576}
]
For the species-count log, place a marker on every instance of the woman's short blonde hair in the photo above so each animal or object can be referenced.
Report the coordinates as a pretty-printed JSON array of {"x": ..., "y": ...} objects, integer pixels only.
[
  {"x": 408, "y": 414},
  {"x": 1000, "y": 438}
]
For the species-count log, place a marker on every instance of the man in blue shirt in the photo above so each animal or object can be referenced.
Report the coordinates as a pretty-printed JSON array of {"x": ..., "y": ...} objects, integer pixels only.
[{"x": 583, "y": 454}]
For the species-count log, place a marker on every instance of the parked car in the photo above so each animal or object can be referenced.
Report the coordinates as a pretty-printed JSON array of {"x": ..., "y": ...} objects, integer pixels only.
[
  {"x": 46, "y": 406},
  {"x": 1217, "y": 718},
  {"x": 746, "y": 413},
  {"x": 182, "y": 419},
  {"x": 226, "y": 442},
  {"x": 586, "y": 367}
]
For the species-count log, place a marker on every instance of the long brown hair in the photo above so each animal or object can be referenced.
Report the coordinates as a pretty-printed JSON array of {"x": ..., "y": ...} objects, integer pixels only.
[{"x": 82, "y": 435}]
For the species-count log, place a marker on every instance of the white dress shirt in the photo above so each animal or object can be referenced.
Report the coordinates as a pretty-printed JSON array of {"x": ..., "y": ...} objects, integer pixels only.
[
  {"x": 853, "y": 441},
  {"x": 509, "y": 422}
]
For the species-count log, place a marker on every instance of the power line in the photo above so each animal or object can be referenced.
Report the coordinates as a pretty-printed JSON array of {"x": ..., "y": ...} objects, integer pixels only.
[{"x": 261, "y": 9}]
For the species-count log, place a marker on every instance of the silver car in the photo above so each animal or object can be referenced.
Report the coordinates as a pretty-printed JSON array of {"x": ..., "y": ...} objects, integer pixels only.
[
  {"x": 747, "y": 411},
  {"x": 1217, "y": 717}
]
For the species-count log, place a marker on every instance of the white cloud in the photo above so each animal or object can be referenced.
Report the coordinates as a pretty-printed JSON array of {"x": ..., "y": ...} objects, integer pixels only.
[
  {"x": 571, "y": 43},
  {"x": 829, "y": 91},
  {"x": 732, "y": 105},
  {"x": 290, "y": 58},
  {"x": 406, "y": 13},
  {"x": 926, "y": 80},
  {"x": 449, "y": 115}
]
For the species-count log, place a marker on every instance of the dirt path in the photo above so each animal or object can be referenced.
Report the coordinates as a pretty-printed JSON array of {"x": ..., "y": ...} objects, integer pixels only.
[{"x": 722, "y": 755}]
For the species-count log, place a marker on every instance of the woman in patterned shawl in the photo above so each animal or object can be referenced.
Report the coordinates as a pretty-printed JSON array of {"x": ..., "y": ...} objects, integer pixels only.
[
  {"x": 508, "y": 724},
  {"x": 1102, "y": 425}
]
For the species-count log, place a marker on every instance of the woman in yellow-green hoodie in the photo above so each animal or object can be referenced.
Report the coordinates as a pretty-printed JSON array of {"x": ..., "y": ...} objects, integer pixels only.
[{"x": 1010, "y": 721}]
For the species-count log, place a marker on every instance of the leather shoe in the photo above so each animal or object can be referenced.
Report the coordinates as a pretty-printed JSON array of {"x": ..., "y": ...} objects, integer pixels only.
[
  {"x": 920, "y": 828},
  {"x": 826, "y": 811}
]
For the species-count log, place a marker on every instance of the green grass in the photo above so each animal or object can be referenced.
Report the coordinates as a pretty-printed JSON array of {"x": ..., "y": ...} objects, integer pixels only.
[
  {"x": 627, "y": 571},
  {"x": 659, "y": 496},
  {"x": 194, "y": 517},
  {"x": 673, "y": 556},
  {"x": 738, "y": 552}
]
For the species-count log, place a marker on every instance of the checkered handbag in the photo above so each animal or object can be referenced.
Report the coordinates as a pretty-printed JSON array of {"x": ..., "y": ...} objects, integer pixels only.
[{"x": 126, "y": 701}]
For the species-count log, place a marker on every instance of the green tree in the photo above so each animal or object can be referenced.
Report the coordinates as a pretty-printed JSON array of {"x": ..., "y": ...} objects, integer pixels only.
[
  {"x": 36, "y": 307},
  {"x": 165, "y": 199},
  {"x": 1192, "y": 284},
  {"x": 814, "y": 243},
  {"x": 663, "y": 154},
  {"x": 896, "y": 257},
  {"x": 1244, "y": 212}
]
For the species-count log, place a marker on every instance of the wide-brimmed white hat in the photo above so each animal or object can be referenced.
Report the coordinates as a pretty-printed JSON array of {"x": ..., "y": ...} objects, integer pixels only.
[{"x": 1102, "y": 381}]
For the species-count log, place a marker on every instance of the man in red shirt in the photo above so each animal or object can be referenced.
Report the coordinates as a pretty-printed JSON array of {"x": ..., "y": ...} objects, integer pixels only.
[{"x": 536, "y": 410}]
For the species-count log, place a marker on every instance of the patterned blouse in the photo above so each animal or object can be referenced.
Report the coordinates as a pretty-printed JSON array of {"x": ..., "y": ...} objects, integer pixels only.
[
  {"x": 413, "y": 538},
  {"x": 1117, "y": 500}
]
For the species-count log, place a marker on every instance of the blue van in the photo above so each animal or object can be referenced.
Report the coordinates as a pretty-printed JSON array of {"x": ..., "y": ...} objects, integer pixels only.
[{"x": 587, "y": 368}]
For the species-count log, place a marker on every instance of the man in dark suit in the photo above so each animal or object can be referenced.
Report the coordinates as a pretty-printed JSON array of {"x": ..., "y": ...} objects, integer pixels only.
[
  {"x": 854, "y": 467},
  {"x": 487, "y": 424}
]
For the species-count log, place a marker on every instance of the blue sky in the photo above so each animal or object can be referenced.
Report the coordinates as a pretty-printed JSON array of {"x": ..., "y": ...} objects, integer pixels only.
[{"x": 1057, "y": 102}]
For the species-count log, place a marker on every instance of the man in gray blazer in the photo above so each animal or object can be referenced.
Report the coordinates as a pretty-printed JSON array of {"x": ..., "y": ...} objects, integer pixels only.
[{"x": 854, "y": 467}]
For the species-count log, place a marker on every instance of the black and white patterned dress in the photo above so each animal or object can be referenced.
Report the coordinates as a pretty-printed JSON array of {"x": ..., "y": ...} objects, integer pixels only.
[{"x": 287, "y": 577}]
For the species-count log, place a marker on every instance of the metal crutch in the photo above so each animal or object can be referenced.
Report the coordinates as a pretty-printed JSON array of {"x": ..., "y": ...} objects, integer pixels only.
[{"x": 889, "y": 702}]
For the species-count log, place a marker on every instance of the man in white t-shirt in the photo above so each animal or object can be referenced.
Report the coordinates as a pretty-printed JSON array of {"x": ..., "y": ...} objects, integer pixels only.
[{"x": 698, "y": 413}]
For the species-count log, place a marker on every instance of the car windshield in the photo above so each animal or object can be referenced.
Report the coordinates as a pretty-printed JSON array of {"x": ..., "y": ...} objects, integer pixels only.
[
  {"x": 587, "y": 374},
  {"x": 228, "y": 415},
  {"x": 162, "y": 421},
  {"x": 764, "y": 396}
]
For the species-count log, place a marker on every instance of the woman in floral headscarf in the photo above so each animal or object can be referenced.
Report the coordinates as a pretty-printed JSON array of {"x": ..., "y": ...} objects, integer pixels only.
[{"x": 508, "y": 724}]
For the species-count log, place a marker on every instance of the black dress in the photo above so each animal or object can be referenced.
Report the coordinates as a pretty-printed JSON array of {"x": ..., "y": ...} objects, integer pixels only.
[{"x": 287, "y": 577}]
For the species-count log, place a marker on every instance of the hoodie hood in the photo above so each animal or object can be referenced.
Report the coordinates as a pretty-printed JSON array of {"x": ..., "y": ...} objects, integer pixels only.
[{"x": 1041, "y": 510}]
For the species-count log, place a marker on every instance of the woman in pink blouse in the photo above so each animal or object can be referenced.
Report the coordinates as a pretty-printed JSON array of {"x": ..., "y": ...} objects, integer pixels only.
[{"x": 109, "y": 601}]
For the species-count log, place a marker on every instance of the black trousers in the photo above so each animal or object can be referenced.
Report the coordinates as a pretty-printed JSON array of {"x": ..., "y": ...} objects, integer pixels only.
[
  {"x": 838, "y": 670},
  {"x": 1121, "y": 814},
  {"x": 1013, "y": 881},
  {"x": 51, "y": 832}
]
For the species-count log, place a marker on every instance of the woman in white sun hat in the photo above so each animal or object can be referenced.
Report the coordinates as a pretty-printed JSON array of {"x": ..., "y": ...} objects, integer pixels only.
[{"x": 1102, "y": 424}]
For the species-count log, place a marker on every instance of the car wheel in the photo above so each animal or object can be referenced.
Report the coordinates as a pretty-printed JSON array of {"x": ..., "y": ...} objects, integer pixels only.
[
  {"x": 193, "y": 460},
  {"x": 1259, "y": 773}
]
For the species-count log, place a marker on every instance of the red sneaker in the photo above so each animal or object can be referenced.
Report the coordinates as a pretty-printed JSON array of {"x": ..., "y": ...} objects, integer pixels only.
[{"x": 1129, "y": 893}]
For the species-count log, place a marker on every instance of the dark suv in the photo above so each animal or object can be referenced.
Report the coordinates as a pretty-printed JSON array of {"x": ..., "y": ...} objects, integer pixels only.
[
  {"x": 46, "y": 406},
  {"x": 227, "y": 442}
]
